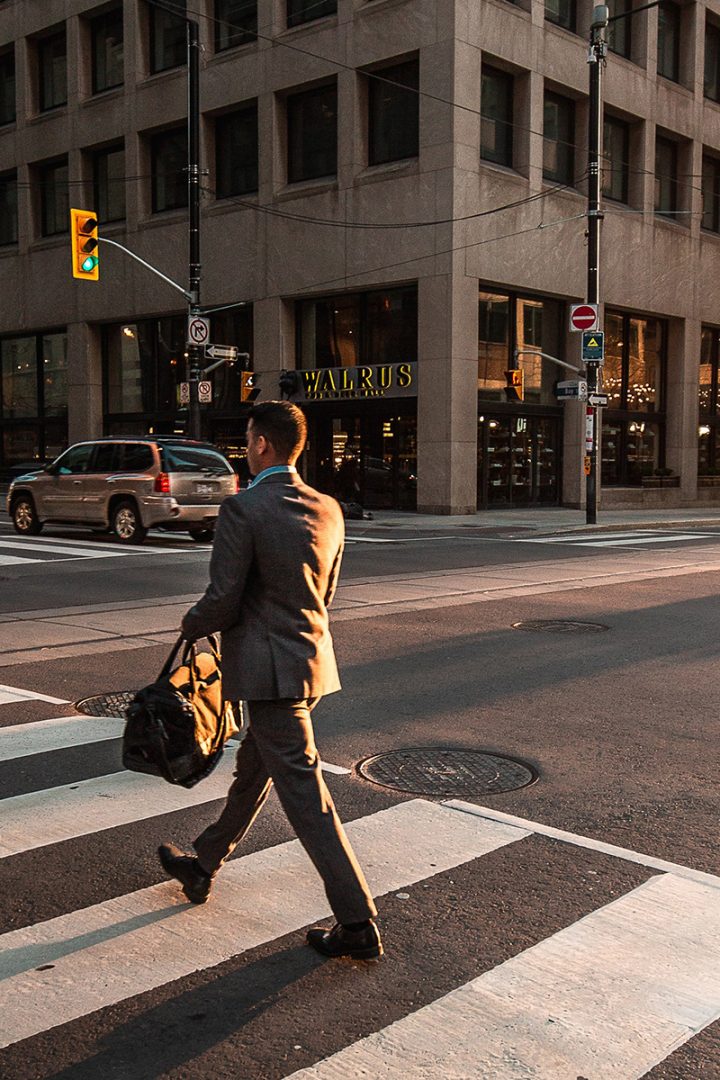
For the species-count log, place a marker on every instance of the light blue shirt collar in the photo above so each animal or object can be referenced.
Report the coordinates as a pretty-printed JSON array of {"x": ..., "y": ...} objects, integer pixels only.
[{"x": 273, "y": 470}]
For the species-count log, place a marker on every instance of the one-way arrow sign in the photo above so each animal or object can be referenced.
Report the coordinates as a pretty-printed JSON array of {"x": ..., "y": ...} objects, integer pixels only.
[{"x": 221, "y": 352}]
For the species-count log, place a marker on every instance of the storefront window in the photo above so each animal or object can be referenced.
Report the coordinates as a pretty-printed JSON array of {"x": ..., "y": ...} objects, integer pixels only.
[
  {"x": 709, "y": 403},
  {"x": 231, "y": 328},
  {"x": 144, "y": 362},
  {"x": 378, "y": 327},
  {"x": 633, "y": 377},
  {"x": 32, "y": 390},
  {"x": 529, "y": 325}
]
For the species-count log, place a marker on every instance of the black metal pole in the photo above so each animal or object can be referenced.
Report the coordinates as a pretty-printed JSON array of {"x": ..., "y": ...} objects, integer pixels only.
[
  {"x": 195, "y": 352},
  {"x": 596, "y": 59}
]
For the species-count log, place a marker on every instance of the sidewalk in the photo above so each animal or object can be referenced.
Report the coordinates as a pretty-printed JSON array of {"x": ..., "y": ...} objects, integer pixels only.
[{"x": 547, "y": 520}]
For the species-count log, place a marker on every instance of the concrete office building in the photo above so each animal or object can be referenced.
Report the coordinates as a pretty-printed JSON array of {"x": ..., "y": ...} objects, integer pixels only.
[{"x": 325, "y": 125}]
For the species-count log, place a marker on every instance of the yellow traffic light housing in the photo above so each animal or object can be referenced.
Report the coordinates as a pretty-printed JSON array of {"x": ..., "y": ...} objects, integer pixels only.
[
  {"x": 515, "y": 384},
  {"x": 84, "y": 238}
]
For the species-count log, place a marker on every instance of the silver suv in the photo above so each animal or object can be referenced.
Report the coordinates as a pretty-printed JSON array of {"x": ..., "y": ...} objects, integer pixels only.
[{"x": 126, "y": 486}]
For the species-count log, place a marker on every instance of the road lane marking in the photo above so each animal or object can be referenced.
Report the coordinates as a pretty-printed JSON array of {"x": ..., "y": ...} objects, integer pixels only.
[
  {"x": 132, "y": 944},
  {"x": 615, "y": 539},
  {"x": 612, "y": 995},
  {"x": 17, "y": 694},
  {"x": 399, "y": 540},
  {"x": 58, "y": 733},
  {"x": 653, "y": 863}
]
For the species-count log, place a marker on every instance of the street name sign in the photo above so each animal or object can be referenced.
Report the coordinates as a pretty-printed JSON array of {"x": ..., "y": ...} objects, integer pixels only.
[
  {"x": 198, "y": 330},
  {"x": 572, "y": 388},
  {"x": 221, "y": 352},
  {"x": 598, "y": 400},
  {"x": 583, "y": 316},
  {"x": 593, "y": 346}
]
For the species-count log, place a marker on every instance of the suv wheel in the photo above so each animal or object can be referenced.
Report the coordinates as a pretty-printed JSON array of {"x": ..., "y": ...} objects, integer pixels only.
[
  {"x": 125, "y": 523},
  {"x": 201, "y": 536},
  {"x": 24, "y": 517}
]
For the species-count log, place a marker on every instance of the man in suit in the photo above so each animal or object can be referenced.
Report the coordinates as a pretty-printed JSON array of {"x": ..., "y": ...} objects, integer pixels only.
[{"x": 274, "y": 570}]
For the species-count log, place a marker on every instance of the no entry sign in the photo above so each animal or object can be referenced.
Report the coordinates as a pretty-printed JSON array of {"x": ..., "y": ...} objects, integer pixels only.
[{"x": 583, "y": 316}]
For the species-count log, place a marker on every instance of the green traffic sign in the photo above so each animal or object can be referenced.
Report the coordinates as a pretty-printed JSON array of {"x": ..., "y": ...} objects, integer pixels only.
[{"x": 593, "y": 345}]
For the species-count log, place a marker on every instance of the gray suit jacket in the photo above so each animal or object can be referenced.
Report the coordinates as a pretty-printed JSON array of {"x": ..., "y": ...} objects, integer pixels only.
[{"x": 274, "y": 569}]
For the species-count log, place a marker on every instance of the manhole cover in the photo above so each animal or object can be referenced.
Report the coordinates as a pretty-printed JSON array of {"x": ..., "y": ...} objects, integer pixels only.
[
  {"x": 560, "y": 626},
  {"x": 106, "y": 704},
  {"x": 437, "y": 770}
]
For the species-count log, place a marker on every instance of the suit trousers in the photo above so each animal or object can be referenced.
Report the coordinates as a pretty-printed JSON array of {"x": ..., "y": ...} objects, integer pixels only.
[{"x": 279, "y": 748}]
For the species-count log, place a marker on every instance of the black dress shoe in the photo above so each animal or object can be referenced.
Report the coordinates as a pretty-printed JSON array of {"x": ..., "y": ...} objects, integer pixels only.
[
  {"x": 339, "y": 941},
  {"x": 187, "y": 870}
]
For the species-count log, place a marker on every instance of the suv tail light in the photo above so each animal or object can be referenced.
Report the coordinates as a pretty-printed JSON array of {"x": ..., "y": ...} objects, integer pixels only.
[
  {"x": 237, "y": 483},
  {"x": 162, "y": 483}
]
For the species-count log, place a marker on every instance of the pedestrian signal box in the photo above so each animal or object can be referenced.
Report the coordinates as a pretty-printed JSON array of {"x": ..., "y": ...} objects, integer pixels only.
[
  {"x": 249, "y": 390},
  {"x": 84, "y": 240},
  {"x": 515, "y": 384}
]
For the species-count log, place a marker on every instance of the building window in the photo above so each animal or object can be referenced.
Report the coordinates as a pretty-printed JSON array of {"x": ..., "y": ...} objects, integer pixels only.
[
  {"x": 52, "y": 70},
  {"x": 712, "y": 61},
  {"x": 711, "y": 194},
  {"x": 668, "y": 51},
  {"x": 109, "y": 183},
  {"x": 7, "y": 86},
  {"x": 168, "y": 38},
  {"x": 236, "y": 23},
  {"x": 144, "y": 364},
  {"x": 561, "y": 12},
  {"x": 312, "y": 134},
  {"x": 168, "y": 155},
  {"x": 709, "y": 403},
  {"x": 619, "y": 34},
  {"x": 107, "y": 51},
  {"x": 633, "y": 379},
  {"x": 616, "y": 154},
  {"x": 378, "y": 327},
  {"x": 8, "y": 208},
  {"x": 302, "y": 11},
  {"x": 33, "y": 397},
  {"x": 666, "y": 176},
  {"x": 236, "y": 152},
  {"x": 54, "y": 203},
  {"x": 558, "y": 139},
  {"x": 529, "y": 324},
  {"x": 496, "y": 110},
  {"x": 393, "y": 113}
]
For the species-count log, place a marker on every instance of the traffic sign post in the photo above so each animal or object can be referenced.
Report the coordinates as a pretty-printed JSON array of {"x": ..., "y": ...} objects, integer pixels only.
[
  {"x": 198, "y": 330},
  {"x": 205, "y": 392},
  {"x": 593, "y": 346}
]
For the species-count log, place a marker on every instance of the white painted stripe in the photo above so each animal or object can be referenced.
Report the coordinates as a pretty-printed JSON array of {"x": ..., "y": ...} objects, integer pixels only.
[
  {"x": 129, "y": 945},
  {"x": 89, "y": 548},
  {"x": 610, "y": 996},
  {"x": 14, "y": 560},
  {"x": 58, "y": 733},
  {"x": 53, "y": 815},
  {"x": 339, "y": 770},
  {"x": 637, "y": 542},
  {"x": 572, "y": 538},
  {"x": 32, "y": 695},
  {"x": 585, "y": 842},
  {"x": 401, "y": 540},
  {"x": 62, "y": 549}
]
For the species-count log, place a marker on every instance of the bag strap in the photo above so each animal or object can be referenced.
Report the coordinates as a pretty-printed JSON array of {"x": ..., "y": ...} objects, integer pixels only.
[{"x": 168, "y": 665}]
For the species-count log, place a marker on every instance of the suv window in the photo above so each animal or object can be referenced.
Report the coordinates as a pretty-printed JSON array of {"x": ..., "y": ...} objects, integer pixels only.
[
  {"x": 74, "y": 460},
  {"x": 192, "y": 459},
  {"x": 135, "y": 457},
  {"x": 106, "y": 455}
]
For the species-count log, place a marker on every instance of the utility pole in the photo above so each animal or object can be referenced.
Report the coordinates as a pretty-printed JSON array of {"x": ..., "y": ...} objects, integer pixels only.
[
  {"x": 195, "y": 351},
  {"x": 596, "y": 61}
]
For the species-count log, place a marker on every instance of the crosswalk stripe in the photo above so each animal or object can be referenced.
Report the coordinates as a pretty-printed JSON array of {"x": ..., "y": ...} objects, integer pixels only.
[
  {"x": 611, "y": 995},
  {"x": 14, "y": 560},
  {"x": 62, "y": 549},
  {"x": 57, "y": 733},
  {"x": 106, "y": 953},
  {"x": 16, "y": 693},
  {"x": 623, "y": 539},
  {"x": 638, "y": 543}
]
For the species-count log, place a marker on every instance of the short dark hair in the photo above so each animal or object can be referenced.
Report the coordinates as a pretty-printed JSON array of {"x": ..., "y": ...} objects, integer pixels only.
[{"x": 283, "y": 425}]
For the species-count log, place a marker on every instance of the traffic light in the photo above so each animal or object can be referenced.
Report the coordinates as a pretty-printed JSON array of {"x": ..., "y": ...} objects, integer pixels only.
[
  {"x": 249, "y": 391},
  {"x": 84, "y": 238},
  {"x": 515, "y": 384},
  {"x": 289, "y": 384}
]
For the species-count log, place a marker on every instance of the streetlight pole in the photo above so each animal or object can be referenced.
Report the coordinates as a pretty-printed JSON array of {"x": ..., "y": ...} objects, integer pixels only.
[{"x": 596, "y": 61}]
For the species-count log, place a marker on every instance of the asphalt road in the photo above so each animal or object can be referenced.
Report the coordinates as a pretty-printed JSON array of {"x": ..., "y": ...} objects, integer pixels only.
[{"x": 619, "y": 724}]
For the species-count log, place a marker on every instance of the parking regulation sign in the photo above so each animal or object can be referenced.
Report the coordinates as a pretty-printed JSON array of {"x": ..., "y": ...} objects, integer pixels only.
[
  {"x": 205, "y": 392},
  {"x": 583, "y": 316}
]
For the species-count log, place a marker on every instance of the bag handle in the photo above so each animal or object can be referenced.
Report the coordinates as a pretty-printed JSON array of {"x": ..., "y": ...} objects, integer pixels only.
[{"x": 168, "y": 665}]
